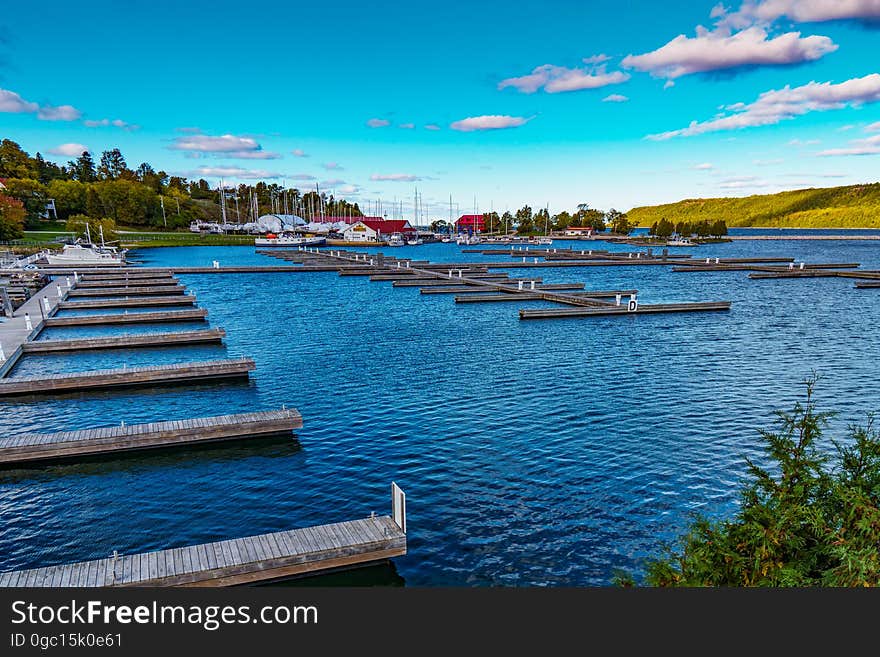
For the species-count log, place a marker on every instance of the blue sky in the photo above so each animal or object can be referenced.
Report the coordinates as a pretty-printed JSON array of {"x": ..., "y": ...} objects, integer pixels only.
[{"x": 612, "y": 103}]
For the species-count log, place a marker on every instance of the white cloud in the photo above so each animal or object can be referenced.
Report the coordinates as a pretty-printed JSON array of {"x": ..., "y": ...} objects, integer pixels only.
[
  {"x": 615, "y": 98},
  {"x": 488, "y": 122},
  {"x": 557, "y": 79},
  {"x": 867, "y": 146},
  {"x": 705, "y": 166},
  {"x": 209, "y": 144},
  {"x": 190, "y": 130},
  {"x": 432, "y": 126},
  {"x": 873, "y": 127},
  {"x": 596, "y": 59},
  {"x": 69, "y": 150},
  {"x": 349, "y": 189},
  {"x": 768, "y": 163},
  {"x": 60, "y": 113},
  {"x": 808, "y": 142},
  {"x": 234, "y": 172},
  {"x": 116, "y": 123},
  {"x": 720, "y": 50},
  {"x": 395, "y": 177},
  {"x": 12, "y": 103},
  {"x": 333, "y": 182},
  {"x": 298, "y": 152},
  {"x": 251, "y": 155},
  {"x": 775, "y": 106},
  {"x": 805, "y": 11},
  {"x": 332, "y": 166},
  {"x": 301, "y": 176},
  {"x": 668, "y": 85},
  {"x": 407, "y": 126},
  {"x": 378, "y": 123}
]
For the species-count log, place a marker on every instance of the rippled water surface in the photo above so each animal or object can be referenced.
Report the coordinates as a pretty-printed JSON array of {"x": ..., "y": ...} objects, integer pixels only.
[{"x": 532, "y": 453}]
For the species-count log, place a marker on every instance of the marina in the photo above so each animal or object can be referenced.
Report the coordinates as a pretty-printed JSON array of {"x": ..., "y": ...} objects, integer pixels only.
[{"x": 482, "y": 301}]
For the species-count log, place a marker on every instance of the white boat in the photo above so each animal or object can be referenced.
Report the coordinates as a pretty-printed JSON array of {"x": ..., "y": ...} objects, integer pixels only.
[
  {"x": 681, "y": 241},
  {"x": 542, "y": 240},
  {"x": 446, "y": 240},
  {"x": 289, "y": 240},
  {"x": 85, "y": 253},
  {"x": 414, "y": 241},
  {"x": 468, "y": 240},
  {"x": 396, "y": 239}
]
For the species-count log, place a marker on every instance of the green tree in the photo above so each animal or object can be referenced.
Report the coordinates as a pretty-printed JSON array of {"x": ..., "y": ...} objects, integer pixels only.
[
  {"x": 112, "y": 165},
  {"x": 524, "y": 220},
  {"x": 618, "y": 222},
  {"x": 12, "y": 216},
  {"x": 14, "y": 162},
  {"x": 69, "y": 195},
  {"x": 83, "y": 168},
  {"x": 812, "y": 518},
  {"x": 32, "y": 194},
  {"x": 77, "y": 224}
]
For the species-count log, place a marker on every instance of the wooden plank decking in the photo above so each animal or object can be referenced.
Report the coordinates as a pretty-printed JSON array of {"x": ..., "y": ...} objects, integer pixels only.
[
  {"x": 128, "y": 291},
  {"x": 196, "y": 314},
  {"x": 643, "y": 309},
  {"x": 141, "y": 302},
  {"x": 247, "y": 560},
  {"x": 127, "y": 376},
  {"x": 125, "y": 341},
  {"x": 31, "y": 448}
]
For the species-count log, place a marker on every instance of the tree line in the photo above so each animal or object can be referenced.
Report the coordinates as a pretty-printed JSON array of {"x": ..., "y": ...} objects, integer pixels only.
[
  {"x": 665, "y": 228},
  {"x": 111, "y": 193},
  {"x": 527, "y": 221}
]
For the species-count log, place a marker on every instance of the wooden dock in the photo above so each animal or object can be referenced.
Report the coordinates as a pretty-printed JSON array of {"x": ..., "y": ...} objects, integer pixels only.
[
  {"x": 249, "y": 560},
  {"x": 125, "y": 341},
  {"x": 643, "y": 309},
  {"x": 130, "y": 291},
  {"x": 467, "y": 289},
  {"x": 866, "y": 285},
  {"x": 141, "y": 302},
  {"x": 196, "y": 314},
  {"x": 35, "y": 448},
  {"x": 128, "y": 377},
  {"x": 141, "y": 282}
]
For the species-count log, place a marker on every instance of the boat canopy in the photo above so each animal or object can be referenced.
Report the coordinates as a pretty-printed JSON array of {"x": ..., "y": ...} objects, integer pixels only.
[{"x": 277, "y": 223}]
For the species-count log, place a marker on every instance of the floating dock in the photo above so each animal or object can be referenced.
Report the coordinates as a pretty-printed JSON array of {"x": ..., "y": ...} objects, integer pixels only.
[
  {"x": 125, "y": 341},
  {"x": 141, "y": 302},
  {"x": 127, "y": 377},
  {"x": 642, "y": 309},
  {"x": 196, "y": 314},
  {"x": 249, "y": 560},
  {"x": 129, "y": 291},
  {"x": 33, "y": 448}
]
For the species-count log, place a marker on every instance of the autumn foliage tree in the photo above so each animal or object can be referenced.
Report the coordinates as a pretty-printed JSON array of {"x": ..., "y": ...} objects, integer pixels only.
[{"x": 12, "y": 216}]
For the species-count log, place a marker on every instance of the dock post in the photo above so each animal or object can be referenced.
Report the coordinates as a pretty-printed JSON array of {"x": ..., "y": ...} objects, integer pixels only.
[
  {"x": 75, "y": 277},
  {"x": 717, "y": 260},
  {"x": 371, "y": 262},
  {"x": 802, "y": 266},
  {"x": 519, "y": 285},
  {"x": 27, "y": 322},
  {"x": 216, "y": 264},
  {"x": 398, "y": 506},
  {"x": 533, "y": 285},
  {"x": 591, "y": 252},
  {"x": 2, "y": 355},
  {"x": 617, "y": 298},
  {"x": 536, "y": 261},
  {"x": 46, "y": 304},
  {"x": 59, "y": 292},
  {"x": 459, "y": 273},
  {"x": 629, "y": 255},
  {"x": 791, "y": 265},
  {"x": 524, "y": 259},
  {"x": 707, "y": 261},
  {"x": 67, "y": 278}
]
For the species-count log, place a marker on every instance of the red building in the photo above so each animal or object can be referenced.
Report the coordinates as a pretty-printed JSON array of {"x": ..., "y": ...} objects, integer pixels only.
[
  {"x": 386, "y": 227},
  {"x": 470, "y": 223}
]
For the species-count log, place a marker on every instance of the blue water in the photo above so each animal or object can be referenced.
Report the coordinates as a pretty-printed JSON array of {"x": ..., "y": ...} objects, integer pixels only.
[{"x": 532, "y": 453}]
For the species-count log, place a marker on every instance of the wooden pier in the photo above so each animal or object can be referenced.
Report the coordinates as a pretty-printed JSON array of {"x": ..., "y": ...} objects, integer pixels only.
[
  {"x": 35, "y": 448},
  {"x": 250, "y": 560},
  {"x": 128, "y": 377},
  {"x": 196, "y": 314},
  {"x": 467, "y": 289},
  {"x": 140, "y": 302},
  {"x": 130, "y": 291},
  {"x": 141, "y": 282},
  {"x": 642, "y": 309},
  {"x": 867, "y": 285},
  {"x": 125, "y": 341},
  {"x": 447, "y": 277}
]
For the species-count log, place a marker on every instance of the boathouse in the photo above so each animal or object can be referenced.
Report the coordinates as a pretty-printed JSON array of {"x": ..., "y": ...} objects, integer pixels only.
[
  {"x": 579, "y": 231},
  {"x": 376, "y": 230},
  {"x": 470, "y": 223}
]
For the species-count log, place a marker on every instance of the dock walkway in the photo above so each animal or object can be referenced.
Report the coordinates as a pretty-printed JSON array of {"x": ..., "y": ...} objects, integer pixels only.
[{"x": 30, "y": 448}]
